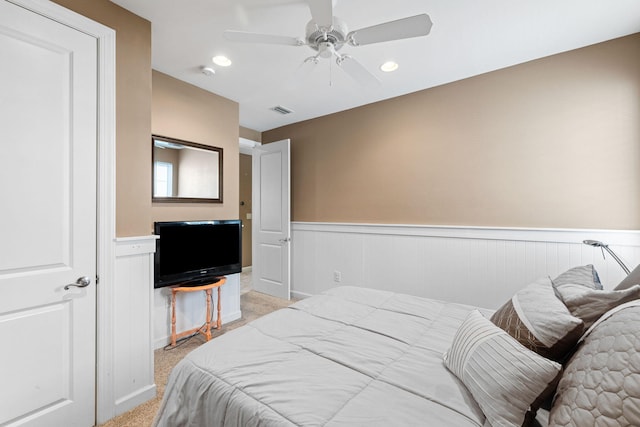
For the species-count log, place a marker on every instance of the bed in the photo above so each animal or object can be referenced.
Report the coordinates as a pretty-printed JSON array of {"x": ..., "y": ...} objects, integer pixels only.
[{"x": 360, "y": 357}]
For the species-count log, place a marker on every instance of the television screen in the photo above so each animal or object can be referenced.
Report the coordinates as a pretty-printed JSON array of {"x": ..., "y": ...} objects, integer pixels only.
[{"x": 194, "y": 252}]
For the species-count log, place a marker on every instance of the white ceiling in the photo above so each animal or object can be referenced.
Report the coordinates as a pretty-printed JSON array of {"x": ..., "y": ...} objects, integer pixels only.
[{"x": 469, "y": 37}]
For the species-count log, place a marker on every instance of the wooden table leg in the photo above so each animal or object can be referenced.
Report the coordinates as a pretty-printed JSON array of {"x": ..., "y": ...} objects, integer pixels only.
[
  {"x": 219, "y": 319},
  {"x": 173, "y": 318},
  {"x": 207, "y": 325},
  {"x": 206, "y": 328}
]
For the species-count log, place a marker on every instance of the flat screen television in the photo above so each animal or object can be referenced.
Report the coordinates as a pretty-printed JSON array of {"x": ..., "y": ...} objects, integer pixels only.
[{"x": 191, "y": 253}]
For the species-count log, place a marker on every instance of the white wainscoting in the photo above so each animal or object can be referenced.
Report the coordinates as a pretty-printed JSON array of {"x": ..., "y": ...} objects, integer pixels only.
[
  {"x": 191, "y": 309},
  {"x": 141, "y": 322},
  {"x": 479, "y": 266},
  {"x": 132, "y": 332}
]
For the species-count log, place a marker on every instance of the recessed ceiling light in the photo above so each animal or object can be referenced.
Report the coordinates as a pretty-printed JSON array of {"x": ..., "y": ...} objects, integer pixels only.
[
  {"x": 389, "y": 66},
  {"x": 222, "y": 61}
]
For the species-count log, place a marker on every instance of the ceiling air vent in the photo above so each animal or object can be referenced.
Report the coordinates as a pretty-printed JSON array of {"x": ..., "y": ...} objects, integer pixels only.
[{"x": 282, "y": 110}]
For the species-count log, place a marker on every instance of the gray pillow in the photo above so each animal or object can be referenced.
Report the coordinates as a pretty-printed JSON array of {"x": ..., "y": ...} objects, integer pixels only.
[
  {"x": 589, "y": 304},
  {"x": 584, "y": 275},
  {"x": 601, "y": 383}
]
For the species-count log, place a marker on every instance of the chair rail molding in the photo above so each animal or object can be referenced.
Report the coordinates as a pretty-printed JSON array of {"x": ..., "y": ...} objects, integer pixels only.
[{"x": 481, "y": 266}]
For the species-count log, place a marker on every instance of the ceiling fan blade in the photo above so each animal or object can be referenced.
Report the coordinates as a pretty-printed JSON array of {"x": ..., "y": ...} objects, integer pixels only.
[
  {"x": 302, "y": 73},
  {"x": 246, "y": 37},
  {"x": 414, "y": 26},
  {"x": 357, "y": 71},
  {"x": 322, "y": 12}
]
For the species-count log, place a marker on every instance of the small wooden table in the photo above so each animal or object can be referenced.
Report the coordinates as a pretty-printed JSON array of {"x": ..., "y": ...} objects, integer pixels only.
[{"x": 206, "y": 328}]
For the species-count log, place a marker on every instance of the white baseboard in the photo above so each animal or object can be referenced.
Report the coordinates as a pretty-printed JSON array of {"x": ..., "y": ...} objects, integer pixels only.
[
  {"x": 132, "y": 400},
  {"x": 299, "y": 295}
]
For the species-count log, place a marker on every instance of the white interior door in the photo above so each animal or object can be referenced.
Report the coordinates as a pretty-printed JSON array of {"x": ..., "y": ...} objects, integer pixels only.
[
  {"x": 271, "y": 268},
  {"x": 48, "y": 109}
]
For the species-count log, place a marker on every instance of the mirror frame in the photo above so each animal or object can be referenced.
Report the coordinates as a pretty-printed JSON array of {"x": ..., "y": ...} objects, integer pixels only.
[{"x": 178, "y": 199}]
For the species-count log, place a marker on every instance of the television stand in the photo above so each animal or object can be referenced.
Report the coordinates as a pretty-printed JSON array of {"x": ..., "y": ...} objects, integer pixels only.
[{"x": 205, "y": 329}]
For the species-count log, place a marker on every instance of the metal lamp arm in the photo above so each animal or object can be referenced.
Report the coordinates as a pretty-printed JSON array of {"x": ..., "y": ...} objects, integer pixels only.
[
  {"x": 618, "y": 260},
  {"x": 604, "y": 246}
]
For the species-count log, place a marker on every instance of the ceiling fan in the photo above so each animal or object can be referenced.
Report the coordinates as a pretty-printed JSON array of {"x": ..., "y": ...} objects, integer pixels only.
[{"x": 327, "y": 34}]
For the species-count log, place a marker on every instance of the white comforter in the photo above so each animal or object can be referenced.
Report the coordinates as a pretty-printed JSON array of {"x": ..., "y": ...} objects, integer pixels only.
[{"x": 351, "y": 356}]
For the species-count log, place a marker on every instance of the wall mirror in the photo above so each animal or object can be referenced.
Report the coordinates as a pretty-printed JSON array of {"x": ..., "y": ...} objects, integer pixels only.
[{"x": 185, "y": 171}]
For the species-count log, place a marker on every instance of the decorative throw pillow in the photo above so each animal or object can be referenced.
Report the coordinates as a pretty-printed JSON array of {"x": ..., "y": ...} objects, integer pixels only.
[
  {"x": 540, "y": 321},
  {"x": 506, "y": 379},
  {"x": 590, "y": 304},
  {"x": 600, "y": 385},
  {"x": 585, "y": 275}
]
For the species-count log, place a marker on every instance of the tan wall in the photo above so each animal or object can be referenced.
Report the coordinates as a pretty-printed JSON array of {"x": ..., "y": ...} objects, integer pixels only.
[
  {"x": 185, "y": 112},
  {"x": 550, "y": 143},
  {"x": 250, "y": 134},
  {"x": 246, "y": 208},
  {"x": 133, "y": 111}
]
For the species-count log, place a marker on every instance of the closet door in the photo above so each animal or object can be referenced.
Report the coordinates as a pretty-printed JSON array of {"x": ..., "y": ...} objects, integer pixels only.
[{"x": 48, "y": 143}]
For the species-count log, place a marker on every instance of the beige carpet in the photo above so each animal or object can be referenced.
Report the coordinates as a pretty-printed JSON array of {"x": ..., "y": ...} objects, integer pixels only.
[{"x": 253, "y": 305}]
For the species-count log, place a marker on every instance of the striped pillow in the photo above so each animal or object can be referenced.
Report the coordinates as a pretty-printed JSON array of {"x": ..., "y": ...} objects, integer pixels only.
[{"x": 506, "y": 379}]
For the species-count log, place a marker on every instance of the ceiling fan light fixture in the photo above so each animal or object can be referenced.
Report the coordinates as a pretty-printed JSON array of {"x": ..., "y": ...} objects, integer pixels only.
[
  {"x": 221, "y": 60},
  {"x": 389, "y": 66}
]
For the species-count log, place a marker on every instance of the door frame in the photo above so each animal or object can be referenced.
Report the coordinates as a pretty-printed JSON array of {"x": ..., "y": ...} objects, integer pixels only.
[
  {"x": 106, "y": 140},
  {"x": 246, "y": 146}
]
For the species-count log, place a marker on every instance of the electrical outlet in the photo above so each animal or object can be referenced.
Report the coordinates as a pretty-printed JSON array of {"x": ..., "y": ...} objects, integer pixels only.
[{"x": 337, "y": 276}]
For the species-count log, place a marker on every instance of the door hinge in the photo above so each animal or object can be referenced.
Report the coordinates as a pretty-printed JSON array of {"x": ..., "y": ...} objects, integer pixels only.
[{"x": 97, "y": 279}]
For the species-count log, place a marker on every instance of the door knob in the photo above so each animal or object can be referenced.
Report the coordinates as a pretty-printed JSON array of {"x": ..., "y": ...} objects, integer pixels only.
[{"x": 82, "y": 282}]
